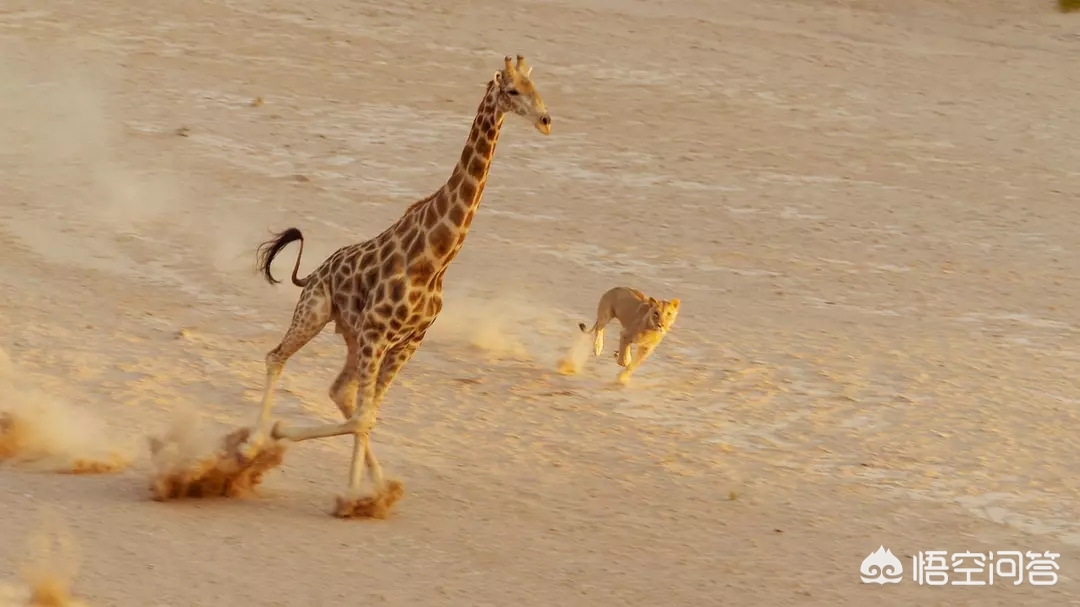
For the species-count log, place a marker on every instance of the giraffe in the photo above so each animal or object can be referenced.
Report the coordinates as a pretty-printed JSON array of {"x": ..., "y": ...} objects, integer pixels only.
[{"x": 384, "y": 294}]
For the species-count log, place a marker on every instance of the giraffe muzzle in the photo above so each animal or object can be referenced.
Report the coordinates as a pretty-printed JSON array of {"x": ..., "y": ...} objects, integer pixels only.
[{"x": 544, "y": 124}]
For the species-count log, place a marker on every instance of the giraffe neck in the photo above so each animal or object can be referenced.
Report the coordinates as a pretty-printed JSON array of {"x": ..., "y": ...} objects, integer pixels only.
[
  {"x": 447, "y": 215},
  {"x": 475, "y": 161}
]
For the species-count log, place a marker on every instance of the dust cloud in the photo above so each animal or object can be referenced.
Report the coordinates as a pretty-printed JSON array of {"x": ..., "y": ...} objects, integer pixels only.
[
  {"x": 503, "y": 326},
  {"x": 488, "y": 325},
  {"x": 40, "y": 432},
  {"x": 56, "y": 129},
  {"x": 95, "y": 199},
  {"x": 578, "y": 354},
  {"x": 192, "y": 459},
  {"x": 47, "y": 576}
]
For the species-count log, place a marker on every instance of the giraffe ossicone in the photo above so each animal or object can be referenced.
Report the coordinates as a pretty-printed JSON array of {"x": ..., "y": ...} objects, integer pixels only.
[{"x": 383, "y": 294}]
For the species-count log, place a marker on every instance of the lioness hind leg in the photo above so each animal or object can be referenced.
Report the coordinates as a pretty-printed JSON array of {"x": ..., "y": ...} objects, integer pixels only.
[{"x": 604, "y": 313}]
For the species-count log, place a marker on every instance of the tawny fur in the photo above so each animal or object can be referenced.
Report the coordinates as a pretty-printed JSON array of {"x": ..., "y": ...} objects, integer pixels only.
[{"x": 645, "y": 321}]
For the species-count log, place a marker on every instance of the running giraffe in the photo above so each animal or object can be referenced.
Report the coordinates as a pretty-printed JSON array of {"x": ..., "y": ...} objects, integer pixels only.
[{"x": 384, "y": 294}]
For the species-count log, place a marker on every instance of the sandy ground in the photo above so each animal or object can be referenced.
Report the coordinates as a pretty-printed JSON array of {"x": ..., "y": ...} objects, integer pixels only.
[{"x": 868, "y": 209}]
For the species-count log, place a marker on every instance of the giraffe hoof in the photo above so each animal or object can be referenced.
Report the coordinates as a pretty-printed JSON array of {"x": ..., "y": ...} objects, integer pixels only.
[
  {"x": 246, "y": 452},
  {"x": 234, "y": 469},
  {"x": 373, "y": 506}
]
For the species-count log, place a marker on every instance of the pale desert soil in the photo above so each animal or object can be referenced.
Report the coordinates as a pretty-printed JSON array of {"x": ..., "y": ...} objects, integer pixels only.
[{"x": 868, "y": 209}]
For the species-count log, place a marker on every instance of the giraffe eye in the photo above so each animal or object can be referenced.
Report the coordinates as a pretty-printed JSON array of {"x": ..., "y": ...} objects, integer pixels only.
[{"x": 512, "y": 92}]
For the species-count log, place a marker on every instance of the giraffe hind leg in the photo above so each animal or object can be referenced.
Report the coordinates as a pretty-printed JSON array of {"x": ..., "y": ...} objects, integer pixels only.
[{"x": 310, "y": 316}]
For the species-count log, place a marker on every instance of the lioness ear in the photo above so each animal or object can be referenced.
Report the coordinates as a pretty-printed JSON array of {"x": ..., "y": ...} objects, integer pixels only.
[
  {"x": 675, "y": 303},
  {"x": 652, "y": 301}
]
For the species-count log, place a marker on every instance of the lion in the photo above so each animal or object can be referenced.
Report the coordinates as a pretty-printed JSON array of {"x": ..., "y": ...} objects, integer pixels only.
[{"x": 645, "y": 321}]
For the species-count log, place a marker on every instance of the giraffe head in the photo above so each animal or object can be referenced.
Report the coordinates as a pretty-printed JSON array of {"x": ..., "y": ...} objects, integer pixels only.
[{"x": 517, "y": 94}]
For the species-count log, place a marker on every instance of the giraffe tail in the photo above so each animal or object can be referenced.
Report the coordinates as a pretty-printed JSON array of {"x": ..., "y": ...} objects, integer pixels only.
[{"x": 268, "y": 251}]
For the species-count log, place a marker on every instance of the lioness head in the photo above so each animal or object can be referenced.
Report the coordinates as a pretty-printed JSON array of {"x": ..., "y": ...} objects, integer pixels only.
[
  {"x": 518, "y": 95},
  {"x": 663, "y": 313}
]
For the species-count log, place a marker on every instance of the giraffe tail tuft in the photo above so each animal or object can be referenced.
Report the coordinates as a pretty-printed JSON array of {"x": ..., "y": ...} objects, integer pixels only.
[{"x": 268, "y": 251}]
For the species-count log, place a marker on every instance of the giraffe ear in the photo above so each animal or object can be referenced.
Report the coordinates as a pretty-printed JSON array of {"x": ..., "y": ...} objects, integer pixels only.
[{"x": 497, "y": 77}]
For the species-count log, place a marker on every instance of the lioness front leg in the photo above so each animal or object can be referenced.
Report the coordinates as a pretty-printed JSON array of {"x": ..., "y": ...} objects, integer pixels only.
[
  {"x": 642, "y": 353},
  {"x": 622, "y": 355}
]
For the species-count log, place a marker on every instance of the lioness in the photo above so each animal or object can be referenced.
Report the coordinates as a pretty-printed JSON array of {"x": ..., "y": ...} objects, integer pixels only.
[{"x": 645, "y": 321}]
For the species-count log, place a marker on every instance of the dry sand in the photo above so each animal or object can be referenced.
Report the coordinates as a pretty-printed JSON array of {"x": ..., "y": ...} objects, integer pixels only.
[{"x": 868, "y": 209}]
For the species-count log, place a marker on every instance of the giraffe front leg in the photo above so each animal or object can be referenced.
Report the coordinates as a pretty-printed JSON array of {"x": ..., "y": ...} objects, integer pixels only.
[
  {"x": 393, "y": 363},
  {"x": 362, "y": 420},
  {"x": 387, "y": 492},
  {"x": 369, "y": 388},
  {"x": 343, "y": 390},
  {"x": 372, "y": 390}
]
